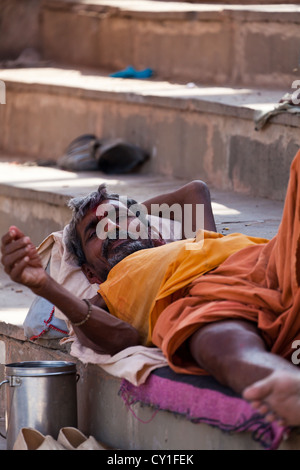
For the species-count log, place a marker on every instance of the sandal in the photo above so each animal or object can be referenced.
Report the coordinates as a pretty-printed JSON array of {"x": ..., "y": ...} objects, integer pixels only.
[
  {"x": 111, "y": 156},
  {"x": 79, "y": 155}
]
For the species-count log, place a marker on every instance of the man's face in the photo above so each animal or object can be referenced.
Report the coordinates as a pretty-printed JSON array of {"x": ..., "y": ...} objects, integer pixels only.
[{"x": 108, "y": 234}]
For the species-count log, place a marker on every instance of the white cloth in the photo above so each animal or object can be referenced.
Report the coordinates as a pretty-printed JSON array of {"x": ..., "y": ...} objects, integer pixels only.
[{"x": 134, "y": 363}]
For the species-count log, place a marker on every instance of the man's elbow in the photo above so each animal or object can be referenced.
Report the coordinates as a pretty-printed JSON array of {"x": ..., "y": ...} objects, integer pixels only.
[
  {"x": 130, "y": 337},
  {"x": 198, "y": 187},
  {"x": 119, "y": 339}
]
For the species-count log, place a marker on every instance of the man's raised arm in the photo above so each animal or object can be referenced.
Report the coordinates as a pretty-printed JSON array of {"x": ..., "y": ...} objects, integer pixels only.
[
  {"x": 96, "y": 328},
  {"x": 192, "y": 194}
]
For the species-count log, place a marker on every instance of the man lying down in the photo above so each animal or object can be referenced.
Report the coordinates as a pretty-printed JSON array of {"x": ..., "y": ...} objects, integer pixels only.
[{"x": 227, "y": 306}]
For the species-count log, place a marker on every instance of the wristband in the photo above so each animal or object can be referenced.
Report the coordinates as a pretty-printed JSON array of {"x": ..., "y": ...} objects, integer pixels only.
[{"x": 88, "y": 314}]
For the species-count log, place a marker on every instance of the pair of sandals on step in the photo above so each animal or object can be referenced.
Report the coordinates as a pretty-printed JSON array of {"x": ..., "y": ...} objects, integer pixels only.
[{"x": 111, "y": 156}]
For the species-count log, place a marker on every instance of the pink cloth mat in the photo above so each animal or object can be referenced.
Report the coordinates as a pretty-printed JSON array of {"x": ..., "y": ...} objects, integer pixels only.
[{"x": 201, "y": 399}]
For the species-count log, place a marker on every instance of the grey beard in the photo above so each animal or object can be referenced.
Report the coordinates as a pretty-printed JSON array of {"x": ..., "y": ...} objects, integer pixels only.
[
  {"x": 129, "y": 249},
  {"x": 122, "y": 251}
]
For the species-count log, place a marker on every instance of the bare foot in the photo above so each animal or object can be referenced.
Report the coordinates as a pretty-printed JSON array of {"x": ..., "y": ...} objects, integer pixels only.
[{"x": 277, "y": 396}]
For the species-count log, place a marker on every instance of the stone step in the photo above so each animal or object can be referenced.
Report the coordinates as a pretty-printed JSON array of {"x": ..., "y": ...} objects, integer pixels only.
[
  {"x": 235, "y": 2},
  {"x": 190, "y": 132},
  {"x": 35, "y": 199},
  {"x": 215, "y": 43},
  {"x": 247, "y": 45}
]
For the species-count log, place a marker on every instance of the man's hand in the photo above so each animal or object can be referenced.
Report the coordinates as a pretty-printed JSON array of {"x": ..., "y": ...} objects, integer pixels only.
[{"x": 21, "y": 260}]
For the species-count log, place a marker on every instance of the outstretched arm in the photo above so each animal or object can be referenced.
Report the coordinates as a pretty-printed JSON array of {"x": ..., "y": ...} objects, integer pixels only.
[
  {"x": 193, "y": 194},
  {"x": 102, "y": 332}
]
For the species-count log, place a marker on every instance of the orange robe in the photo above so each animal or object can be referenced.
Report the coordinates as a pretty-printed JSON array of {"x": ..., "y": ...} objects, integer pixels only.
[
  {"x": 169, "y": 292},
  {"x": 143, "y": 284},
  {"x": 259, "y": 284}
]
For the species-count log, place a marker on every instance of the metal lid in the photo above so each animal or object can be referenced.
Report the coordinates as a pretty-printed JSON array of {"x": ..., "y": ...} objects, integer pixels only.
[{"x": 37, "y": 368}]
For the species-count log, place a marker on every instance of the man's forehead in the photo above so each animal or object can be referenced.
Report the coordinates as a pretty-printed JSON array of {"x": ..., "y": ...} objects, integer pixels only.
[
  {"x": 100, "y": 210},
  {"x": 115, "y": 202},
  {"x": 109, "y": 205}
]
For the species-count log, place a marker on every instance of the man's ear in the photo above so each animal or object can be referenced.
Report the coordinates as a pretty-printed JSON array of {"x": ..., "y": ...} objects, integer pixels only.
[{"x": 90, "y": 274}]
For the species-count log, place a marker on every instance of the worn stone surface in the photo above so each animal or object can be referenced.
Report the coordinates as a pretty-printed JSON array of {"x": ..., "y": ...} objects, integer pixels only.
[
  {"x": 35, "y": 199},
  {"x": 248, "y": 45},
  {"x": 16, "y": 16},
  {"x": 188, "y": 131}
]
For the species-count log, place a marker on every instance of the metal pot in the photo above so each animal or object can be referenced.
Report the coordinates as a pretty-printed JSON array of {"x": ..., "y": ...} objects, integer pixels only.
[{"x": 41, "y": 395}]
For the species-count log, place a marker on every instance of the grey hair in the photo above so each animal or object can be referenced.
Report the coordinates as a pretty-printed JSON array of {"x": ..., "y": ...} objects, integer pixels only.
[{"x": 80, "y": 206}]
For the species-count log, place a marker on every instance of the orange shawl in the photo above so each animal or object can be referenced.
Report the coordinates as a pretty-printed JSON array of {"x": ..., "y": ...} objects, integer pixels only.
[{"x": 140, "y": 287}]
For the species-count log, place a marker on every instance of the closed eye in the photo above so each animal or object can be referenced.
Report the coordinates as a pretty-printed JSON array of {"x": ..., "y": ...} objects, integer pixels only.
[
  {"x": 91, "y": 234},
  {"x": 90, "y": 229}
]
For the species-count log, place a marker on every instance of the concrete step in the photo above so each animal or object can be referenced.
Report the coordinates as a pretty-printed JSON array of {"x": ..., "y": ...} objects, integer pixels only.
[
  {"x": 189, "y": 131},
  {"x": 215, "y": 43},
  {"x": 35, "y": 199},
  {"x": 245, "y": 45},
  {"x": 235, "y": 2}
]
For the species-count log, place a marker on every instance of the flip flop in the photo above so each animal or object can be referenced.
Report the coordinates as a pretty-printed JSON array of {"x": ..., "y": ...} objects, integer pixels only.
[
  {"x": 79, "y": 155},
  {"x": 131, "y": 72},
  {"x": 115, "y": 156},
  {"x": 111, "y": 156}
]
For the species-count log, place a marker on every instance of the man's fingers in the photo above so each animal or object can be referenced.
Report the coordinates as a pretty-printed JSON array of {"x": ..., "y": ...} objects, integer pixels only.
[
  {"x": 13, "y": 234},
  {"x": 17, "y": 249},
  {"x": 13, "y": 239},
  {"x": 16, "y": 245},
  {"x": 18, "y": 268},
  {"x": 9, "y": 260},
  {"x": 18, "y": 252}
]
